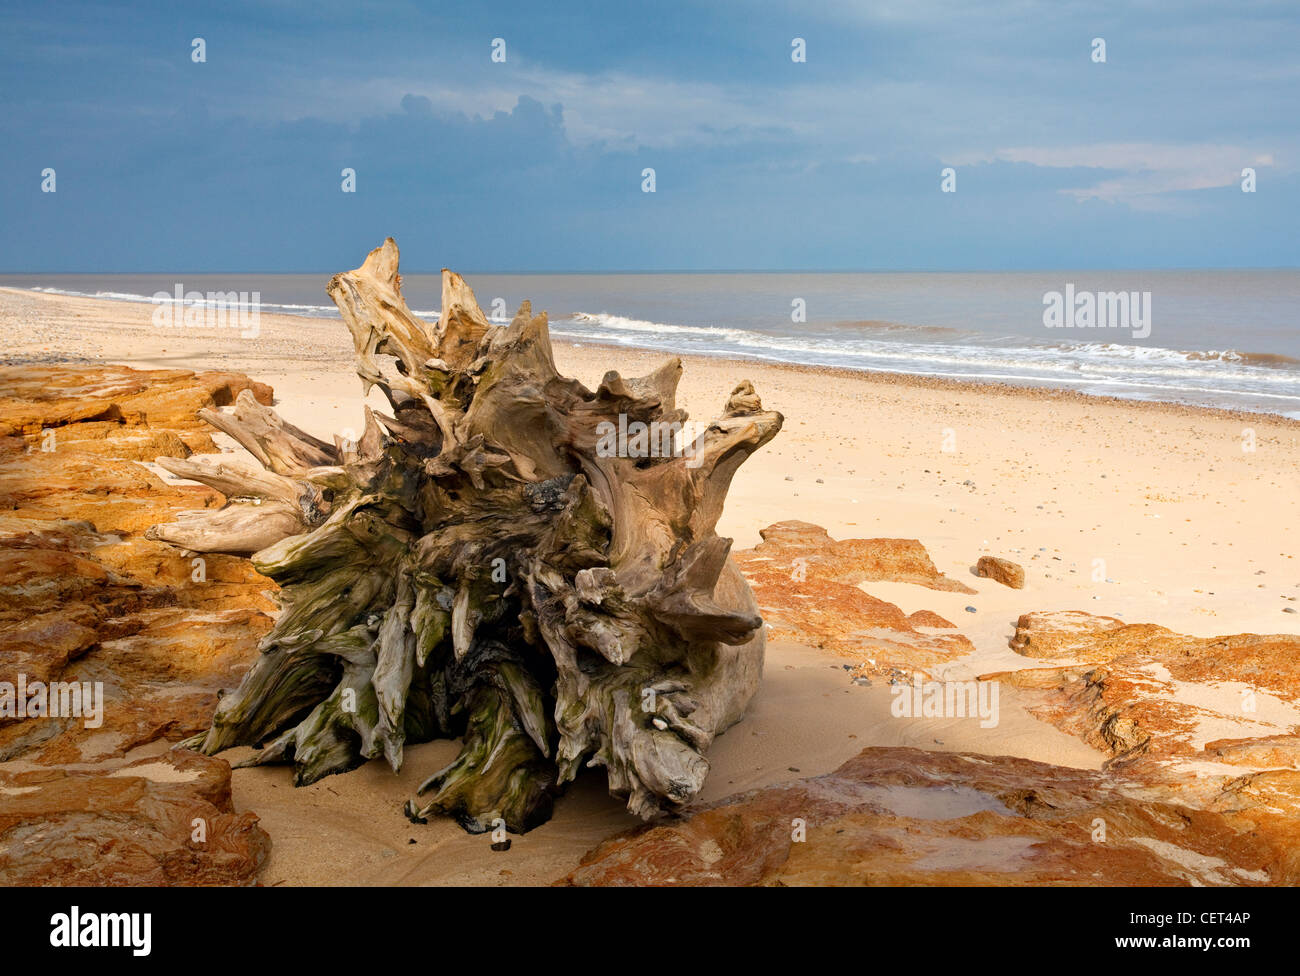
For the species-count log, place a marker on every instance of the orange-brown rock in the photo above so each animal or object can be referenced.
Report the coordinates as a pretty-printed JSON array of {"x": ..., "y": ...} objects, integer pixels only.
[
  {"x": 1270, "y": 751},
  {"x": 1159, "y": 704},
  {"x": 161, "y": 680},
  {"x": 1065, "y": 634},
  {"x": 928, "y": 618},
  {"x": 114, "y": 410},
  {"x": 164, "y": 643},
  {"x": 114, "y": 495},
  {"x": 1103, "y": 707},
  {"x": 802, "y": 546},
  {"x": 1136, "y": 680},
  {"x": 806, "y": 586},
  {"x": 162, "y": 649},
  {"x": 159, "y": 820},
  {"x": 841, "y": 618},
  {"x": 909, "y": 817},
  {"x": 84, "y": 597},
  {"x": 1001, "y": 570}
]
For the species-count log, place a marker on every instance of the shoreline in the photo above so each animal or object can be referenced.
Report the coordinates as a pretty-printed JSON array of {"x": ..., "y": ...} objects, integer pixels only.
[
  {"x": 933, "y": 382},
  {"x": 881, "y": 377}
]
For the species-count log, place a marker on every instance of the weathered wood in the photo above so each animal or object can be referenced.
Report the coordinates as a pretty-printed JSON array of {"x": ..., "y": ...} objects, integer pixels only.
[
  {"x": 264, "y": 507},
  {"x": 480, "y": 565},
  {"x": 277, "y": 444}
]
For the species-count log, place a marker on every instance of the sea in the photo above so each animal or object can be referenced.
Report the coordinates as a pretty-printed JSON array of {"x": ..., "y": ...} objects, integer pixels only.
[{"x": 1223, "y": 338}]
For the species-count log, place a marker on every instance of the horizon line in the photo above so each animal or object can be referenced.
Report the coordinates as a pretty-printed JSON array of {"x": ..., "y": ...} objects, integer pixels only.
[{"x": 691, "y": 271}]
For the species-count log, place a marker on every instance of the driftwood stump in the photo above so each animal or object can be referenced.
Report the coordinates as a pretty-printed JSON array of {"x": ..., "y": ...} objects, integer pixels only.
[{"x": 508, "y": 558}]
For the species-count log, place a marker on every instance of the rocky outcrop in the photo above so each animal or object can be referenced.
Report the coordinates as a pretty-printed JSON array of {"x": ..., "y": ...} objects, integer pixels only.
[
  {"x": 1003, "y": 571},
  {"x": 1131, "y": 688},
  {"x": 909, "y": 817},
  {"x": 159, "y": 820},
  {"x": 164, "y": 634},
  {"x": 114, "y": 411},
  {"x": 86, "y": 599},
  {"x": 1201, "y": 784},
  {"x": 795, "y": 546},
  {"x": 1269, "y": 751},
  {"x": 845, "y": 620},
  {"x": 807, "y": 587},
  {"x": 1208, "y": 721}
]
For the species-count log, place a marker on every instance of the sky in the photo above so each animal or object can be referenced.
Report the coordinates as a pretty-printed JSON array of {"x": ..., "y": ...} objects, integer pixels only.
[{"x": 761, "y": 162}]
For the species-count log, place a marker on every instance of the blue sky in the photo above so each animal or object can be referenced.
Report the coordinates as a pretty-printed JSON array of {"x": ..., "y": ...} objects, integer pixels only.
[{"x": 535, "y": 164}]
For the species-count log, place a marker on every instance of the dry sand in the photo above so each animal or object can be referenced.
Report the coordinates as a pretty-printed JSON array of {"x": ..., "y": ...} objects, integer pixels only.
[{"x": 1191, "y": 531}]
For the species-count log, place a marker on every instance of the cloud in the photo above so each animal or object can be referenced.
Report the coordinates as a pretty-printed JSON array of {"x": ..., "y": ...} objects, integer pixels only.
[
  {"x": 616, "y": 110},
  {"x": 1134, "y": 173},
  {"x": 761, "y": 162}
]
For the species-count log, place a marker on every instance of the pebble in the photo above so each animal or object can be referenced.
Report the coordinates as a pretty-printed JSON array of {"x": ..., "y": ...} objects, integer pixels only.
[{"x": 970, "y": 610}]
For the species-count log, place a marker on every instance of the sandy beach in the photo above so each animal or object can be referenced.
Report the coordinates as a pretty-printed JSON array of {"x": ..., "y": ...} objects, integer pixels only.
[{"x": 1143, "y": 511}]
